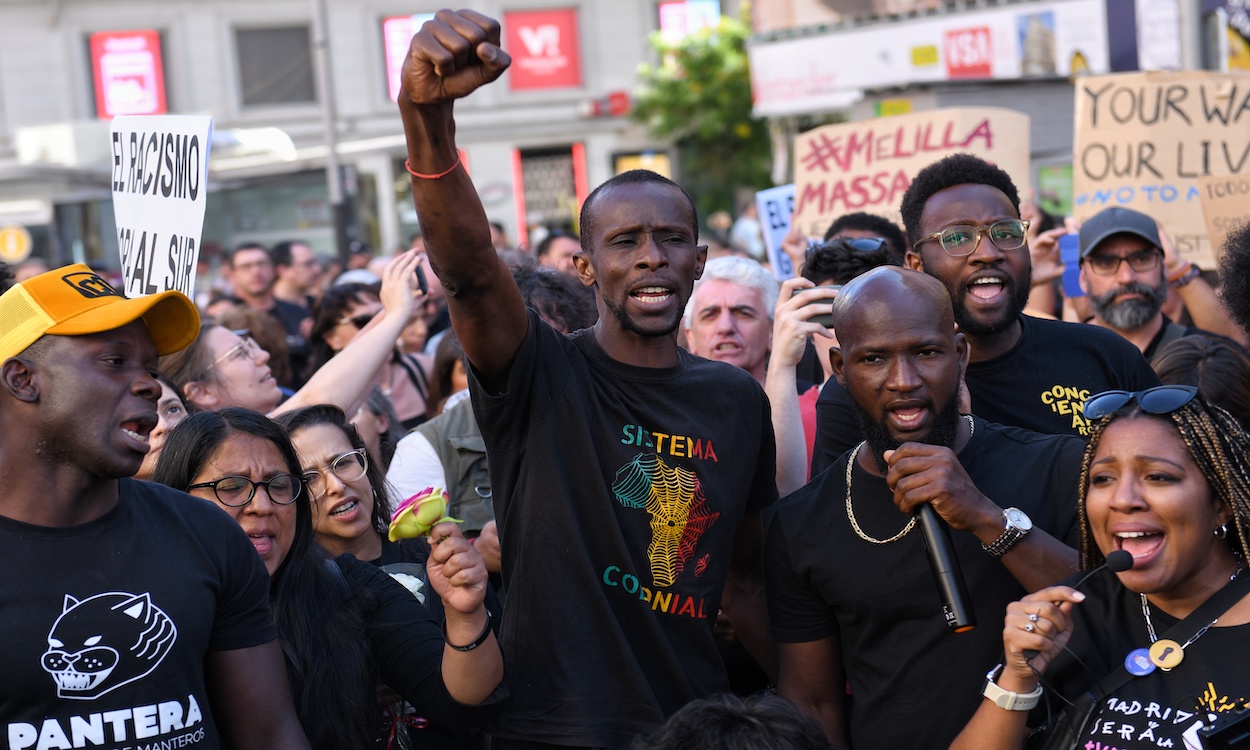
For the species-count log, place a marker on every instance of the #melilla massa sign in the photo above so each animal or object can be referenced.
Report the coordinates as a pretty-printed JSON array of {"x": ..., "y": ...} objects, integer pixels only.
[{"x": 160, "y": 188}]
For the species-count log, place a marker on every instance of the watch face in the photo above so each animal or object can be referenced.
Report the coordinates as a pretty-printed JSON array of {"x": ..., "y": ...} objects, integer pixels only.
[{"x": 1017, "y": 519}]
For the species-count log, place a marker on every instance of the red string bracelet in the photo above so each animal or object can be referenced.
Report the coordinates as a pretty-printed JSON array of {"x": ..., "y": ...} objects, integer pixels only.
[{"x": 444, "y": 173}]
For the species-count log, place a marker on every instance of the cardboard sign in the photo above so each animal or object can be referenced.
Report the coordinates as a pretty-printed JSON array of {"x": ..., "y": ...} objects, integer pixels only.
[
  {"x": 775, "y": 206},
  {"x": 1144, "y": 140},
  {"x": 1225, "y": 206},
  {"x": 160, "y": 190},
  {"x": 867, "y": 166}
]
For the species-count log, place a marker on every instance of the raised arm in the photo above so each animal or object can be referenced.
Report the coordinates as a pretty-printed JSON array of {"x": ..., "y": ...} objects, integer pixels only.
[
  {"x": 791, "y": 327},
  {"x": 346, "y": 379},
  {"x": 453, "y": 55},
  {"x": 1204, "y": 306}
]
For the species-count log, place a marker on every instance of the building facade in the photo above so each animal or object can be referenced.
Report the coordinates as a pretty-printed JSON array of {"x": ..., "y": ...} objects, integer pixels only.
[{"x": 534, "y": 142}]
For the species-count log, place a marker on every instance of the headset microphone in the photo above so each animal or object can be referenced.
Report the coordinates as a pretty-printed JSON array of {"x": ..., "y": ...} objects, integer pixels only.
[{"x": 1117, "y": 561}]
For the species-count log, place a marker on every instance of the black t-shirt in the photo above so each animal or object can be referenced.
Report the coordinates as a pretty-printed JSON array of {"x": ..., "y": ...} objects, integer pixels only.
[
  {"x": 1161, "y": 709},
  {"x": 915, "y": 681},
  {"x": 407, "y": 644},
  {"x": 1040, "y": 385},
  {"x": 407, "y": 557},
  {"x": 106, "y": 625},
  {"x": 618, "y": 491}
]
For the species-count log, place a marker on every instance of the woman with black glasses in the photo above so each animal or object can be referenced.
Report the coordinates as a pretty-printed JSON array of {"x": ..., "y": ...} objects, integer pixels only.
[
  {"x": 1147, "y": 656},
  {"x": 245, "y": 463}
]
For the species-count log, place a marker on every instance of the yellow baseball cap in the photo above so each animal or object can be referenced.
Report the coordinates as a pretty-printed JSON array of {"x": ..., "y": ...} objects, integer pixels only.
[{"x": 74, "y": 300}]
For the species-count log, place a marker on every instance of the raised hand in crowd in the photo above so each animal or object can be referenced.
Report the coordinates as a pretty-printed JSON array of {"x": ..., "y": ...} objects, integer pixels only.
[
  {"x": 452, "y": 56},
  {"x": 1190, "y": 291},
  {"x": 345, "y": 380},
  {"x": 792, "y": 325}
]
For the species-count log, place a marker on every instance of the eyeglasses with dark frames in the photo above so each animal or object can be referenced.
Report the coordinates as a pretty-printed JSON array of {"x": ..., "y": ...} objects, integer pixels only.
[
  {"x": 1162, "y": 399},
  {"x": 348, "y": 467},
  {"x": 1138, "y": 260},
  {"x": 235, "y": 491},
  {"x": 962, "y": 240}
]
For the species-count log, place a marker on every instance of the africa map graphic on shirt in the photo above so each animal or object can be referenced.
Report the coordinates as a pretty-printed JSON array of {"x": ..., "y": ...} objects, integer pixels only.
[{"x": 679, "y": 513}]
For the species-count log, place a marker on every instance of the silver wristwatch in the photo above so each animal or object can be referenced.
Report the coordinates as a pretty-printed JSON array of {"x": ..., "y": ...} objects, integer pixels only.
[{"x": 1017, "y": 525}]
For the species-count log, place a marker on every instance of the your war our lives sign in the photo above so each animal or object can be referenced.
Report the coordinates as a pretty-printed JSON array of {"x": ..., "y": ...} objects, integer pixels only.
[
  {"x": 1153, "y": 141},
  {"x": 160, "y": 176}
]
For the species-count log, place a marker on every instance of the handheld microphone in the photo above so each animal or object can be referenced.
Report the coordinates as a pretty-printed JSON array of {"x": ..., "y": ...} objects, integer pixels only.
[
  {"x": 956, "y": 604},
  {"x": 1117, "y": 561}
]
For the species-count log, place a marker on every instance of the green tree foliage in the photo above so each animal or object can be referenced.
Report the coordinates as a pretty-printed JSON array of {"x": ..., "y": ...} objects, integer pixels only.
[{"x": 699, "y": 96}]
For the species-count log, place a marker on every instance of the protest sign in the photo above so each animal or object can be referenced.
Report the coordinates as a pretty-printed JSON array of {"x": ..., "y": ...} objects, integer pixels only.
[
  {"x": 160, "y": 189},
  {"x": 867, "y": 166},
  {"x": 1225, "y": 206},
  {"x": 1144, "y": 140},
  {"x": 775, "y": 206}
]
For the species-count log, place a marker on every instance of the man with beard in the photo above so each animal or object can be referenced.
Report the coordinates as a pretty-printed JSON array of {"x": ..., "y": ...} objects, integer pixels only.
[
  {"x": 1122, "y": 271},
  {"x": 962, "y": 218},
  {"x": 628, "y": 476},
  {"x": 849, "y": 595}
]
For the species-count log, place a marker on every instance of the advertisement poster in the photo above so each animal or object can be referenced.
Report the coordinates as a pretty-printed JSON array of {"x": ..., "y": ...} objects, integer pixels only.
[
  {"x": 128, "y": 72},
  {"x": 545, "y": 49}
]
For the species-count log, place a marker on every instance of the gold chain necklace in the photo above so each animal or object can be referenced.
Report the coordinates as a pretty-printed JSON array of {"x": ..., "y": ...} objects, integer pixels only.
[{"x": 850, "y": 511}]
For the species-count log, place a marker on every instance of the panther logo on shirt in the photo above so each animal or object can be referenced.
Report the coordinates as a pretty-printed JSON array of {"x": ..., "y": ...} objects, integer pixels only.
[{"x": 105, "y": 641}]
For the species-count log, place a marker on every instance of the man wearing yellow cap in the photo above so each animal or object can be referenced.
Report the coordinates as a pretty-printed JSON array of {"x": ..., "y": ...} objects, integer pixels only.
[{"x": 134, "y": 615}]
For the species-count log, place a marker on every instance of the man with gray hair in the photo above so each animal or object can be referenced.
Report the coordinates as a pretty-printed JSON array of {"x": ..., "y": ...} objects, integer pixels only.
[{"x": 729, "y": 317}]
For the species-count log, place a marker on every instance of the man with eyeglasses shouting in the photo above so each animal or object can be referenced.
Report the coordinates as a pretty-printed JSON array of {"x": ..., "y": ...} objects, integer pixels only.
[
  {"x": 962, "y": 218},
  {"x": 1123, "y": 273},
  {"x": 133, "y": 616}
]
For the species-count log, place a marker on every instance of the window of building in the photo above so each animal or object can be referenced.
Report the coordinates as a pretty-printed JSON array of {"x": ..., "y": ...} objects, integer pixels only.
[{"x": 275, "y": 66}]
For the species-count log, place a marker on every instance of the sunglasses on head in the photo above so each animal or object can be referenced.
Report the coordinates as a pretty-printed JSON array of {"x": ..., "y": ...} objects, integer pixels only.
[
  {"x": 360, "y": 321},
  {"x": 858, "y": 244},
  {"x": 1162, "y": 399}
]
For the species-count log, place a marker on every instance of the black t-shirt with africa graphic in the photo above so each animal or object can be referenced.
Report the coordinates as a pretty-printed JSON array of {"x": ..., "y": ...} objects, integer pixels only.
[
  {"x": 618, "y": 491},
  {"x": 1040, "y": 385}
]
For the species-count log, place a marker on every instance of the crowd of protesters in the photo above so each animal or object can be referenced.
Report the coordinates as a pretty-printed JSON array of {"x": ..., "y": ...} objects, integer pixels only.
[{"x": 667, "y": 477}]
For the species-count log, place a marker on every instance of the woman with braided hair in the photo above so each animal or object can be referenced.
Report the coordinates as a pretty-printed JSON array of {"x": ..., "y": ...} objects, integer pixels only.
[{"x": 1155, "y": 652}]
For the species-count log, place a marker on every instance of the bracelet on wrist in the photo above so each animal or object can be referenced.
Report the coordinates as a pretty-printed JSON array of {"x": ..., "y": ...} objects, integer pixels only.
[
  {"x": 1184, "y": 276},
  {"x": 477, "y": 642}
]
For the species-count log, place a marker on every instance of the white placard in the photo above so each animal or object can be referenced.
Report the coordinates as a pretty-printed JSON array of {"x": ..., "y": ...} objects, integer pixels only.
[
  {"x": 775, "y": 206},
  {"x": 160, "y": 190}
]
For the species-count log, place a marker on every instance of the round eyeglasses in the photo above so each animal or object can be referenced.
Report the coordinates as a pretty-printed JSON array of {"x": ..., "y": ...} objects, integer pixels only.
[
  {"x": 347, "y": 467},
  {"x": 961, "y": 240},
  {"x": 1162, "y": 399},
  {"x": 248, "y": 347},
  {"x": 235, "y": 492}
]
